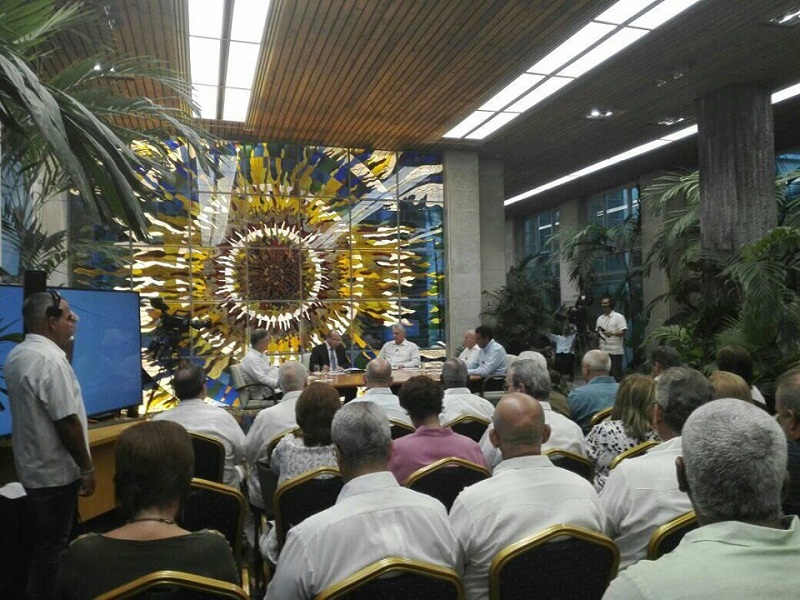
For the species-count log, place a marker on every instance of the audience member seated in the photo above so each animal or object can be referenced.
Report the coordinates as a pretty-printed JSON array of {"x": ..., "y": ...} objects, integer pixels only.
[
  {"x": 736, "y": 359},
  {"x": 629, "y": 425},
  {"x": 533, "y": 378},
  {"x": 557, "y": 400},
  {"x": 598, "y": 392},
  {"x": 329, "y": 355},
  {"x": 469, "y": 355},
  {"x": 256, "y": 368},
  {"x": 642, "y": 493},
  {"x": 526, "y": 494},
  {"x": 662, "y": 358},
  {"x": 272, "y": 422},
  {"x": 378, "y": 380},
  {"x": 458, "y": 400},
  {"x": 730, "y": 385},
  {"x": 154, "y": 463},
  {"x": 373, "y": 518},
  {"x": 733, "y": 465},
  {"x": 492, "y": 356},
  {"x": 400, "y": 353},
  {"x": 189, "y": 384},
  {"x": 422, "y": 398},
  {"x": 308, "y": 449},
  {"x": 787, "y": 412}
]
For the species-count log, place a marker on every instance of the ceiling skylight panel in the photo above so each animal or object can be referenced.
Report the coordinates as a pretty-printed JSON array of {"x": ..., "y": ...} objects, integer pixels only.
[
  {"x": 468, "y": 124},
  {"x": 492, "y": 125},
  {"x": 205, "y": 17},
  {"x": 242, "y": 61},
  {"x": 546, "y": 89},
  {"x": 583, "y": 39},
  {"x": 236, "y": 104},
  {"x": 601, "y": 53},
  {"x": 205, "y": 97},
  {"x": 623, "y": 10},
  {"x": 204, "y": 58},
  {"x": 662, "y": 13},
  {"x": 511, "y": 92},
  {"x": 249, "y": 17}
]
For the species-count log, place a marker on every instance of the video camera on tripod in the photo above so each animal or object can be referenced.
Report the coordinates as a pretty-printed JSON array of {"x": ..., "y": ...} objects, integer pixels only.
[
  {"x": 577, "y": 313},
  {"x": 170, "y": 330}
]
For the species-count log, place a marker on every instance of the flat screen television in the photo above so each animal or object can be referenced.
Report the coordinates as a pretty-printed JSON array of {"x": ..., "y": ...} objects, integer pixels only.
[{"x": 107, "y": 353}]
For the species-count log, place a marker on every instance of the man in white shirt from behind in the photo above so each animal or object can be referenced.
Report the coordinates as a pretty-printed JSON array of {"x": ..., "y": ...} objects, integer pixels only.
[
  {"x": 373, "y": 518},
  {"x": 471, "y": 349},
  {"x": 400, "y": 353},
  {"x": 189, "y": 384},
  {"x": 532, "y": 378},
  {"x": 256, "y": 368},
  {"x": 526, "y": 494},
  {"x": 642, "y": 493},
  {"x": 272, "y": 422},
  {"x": 458, "y": 400},
  {"x": 378, "y": 380}
]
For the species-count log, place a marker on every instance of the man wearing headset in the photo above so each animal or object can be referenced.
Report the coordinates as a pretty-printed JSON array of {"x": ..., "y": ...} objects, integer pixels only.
[{"x": 49, "y": 432}]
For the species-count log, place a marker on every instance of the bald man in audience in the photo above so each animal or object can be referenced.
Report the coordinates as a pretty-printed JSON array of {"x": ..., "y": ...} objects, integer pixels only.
[
  {"x": 787, "y": 412},
  {"x": 733, "y": 466},
  {"x": 271, "y": 422},
  {"x": 526, "y": 494},
  {"x": 373, "y": 518},
  {"x": 533, "y": 378},
  {"x": 642, "y": 493},
  {"x": 458, "y": 400},
  {"x": 378, "y": 379},
  {"x": 597, "y": 394}
]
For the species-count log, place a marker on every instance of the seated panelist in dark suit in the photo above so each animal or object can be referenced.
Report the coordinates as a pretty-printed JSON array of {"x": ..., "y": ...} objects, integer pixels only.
[{"x": 329, "y": 355}]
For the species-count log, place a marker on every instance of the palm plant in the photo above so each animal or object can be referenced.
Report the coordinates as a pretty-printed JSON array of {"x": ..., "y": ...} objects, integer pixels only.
[{"x": 68, "y": 130}]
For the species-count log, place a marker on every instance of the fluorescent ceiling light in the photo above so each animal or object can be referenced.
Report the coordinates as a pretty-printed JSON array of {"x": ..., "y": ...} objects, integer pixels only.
[
  {"x": 204, "y": 56},
  {"x": 242, "y": 61},
  {"x": 249, "y": 17},
  {"x": 468, "y": 124},
  {"x": 236, "y": 103},
  {"x": 616, "y": 43},
  {"x": 662, "y": 13},
  {"x": 511, "y": 92},
  {"x": 623, "y": 10},
  {"x": 205, "y": 17},
  {"x": 779, "y": 96},
  {"x": 205, "y": 96},
  {"x": 548, "y": 88},
  {"x": 576, "y": 44},
  {"x": 494, "y": 124}
]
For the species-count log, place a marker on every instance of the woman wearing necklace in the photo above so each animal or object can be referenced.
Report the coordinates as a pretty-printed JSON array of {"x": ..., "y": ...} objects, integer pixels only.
[{"x": 154, "y": 465}]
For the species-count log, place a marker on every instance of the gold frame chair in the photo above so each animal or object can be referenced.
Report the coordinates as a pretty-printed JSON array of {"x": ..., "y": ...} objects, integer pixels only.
[
  {"x": 288, "y": 485},
  {"x": 600, "y": 415},
  {"x": 200, "y": 439},
  {"x": 683, "y": 523},
  {"x": 393, "y": 564},
  {"x": 633, "y": 452},
  {"x": 575, "y": 458},
  {"x": 550, "y": 534},
  {"x": 467, "y": 419},
  {"x": 198, "y": 583},
  {"x": 443, "y": 463},
  {"x": 401, "y": 426}
]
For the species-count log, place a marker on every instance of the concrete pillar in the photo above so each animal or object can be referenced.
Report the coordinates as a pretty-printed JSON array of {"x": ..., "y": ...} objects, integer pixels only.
[
  {"x": 737, "y": 168},
  {"x": 569, "y": 219},
  {"x": 657, "y": 283},
  {"x": 462, "y": 242},
  {"x": 493, "y": 238}
]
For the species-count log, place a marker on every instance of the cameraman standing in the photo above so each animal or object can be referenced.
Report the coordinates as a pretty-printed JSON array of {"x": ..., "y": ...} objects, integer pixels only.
[{"x": 611, "y": 327}]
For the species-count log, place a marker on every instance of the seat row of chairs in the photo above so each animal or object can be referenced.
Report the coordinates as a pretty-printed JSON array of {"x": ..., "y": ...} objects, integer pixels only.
[{"x": 561, "y": 562}]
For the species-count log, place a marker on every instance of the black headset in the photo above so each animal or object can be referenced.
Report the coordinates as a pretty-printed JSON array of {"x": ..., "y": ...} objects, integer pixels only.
[{"x": 55, "y": 310}]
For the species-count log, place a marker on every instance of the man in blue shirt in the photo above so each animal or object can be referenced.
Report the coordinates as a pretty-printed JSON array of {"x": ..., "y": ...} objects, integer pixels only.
[
  {"x": 492, "y": 357},
  {"x": 599, "y": 392}
]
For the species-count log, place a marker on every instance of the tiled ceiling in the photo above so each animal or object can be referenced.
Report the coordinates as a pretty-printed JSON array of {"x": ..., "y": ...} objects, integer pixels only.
[{"x": 398, "y": 74}]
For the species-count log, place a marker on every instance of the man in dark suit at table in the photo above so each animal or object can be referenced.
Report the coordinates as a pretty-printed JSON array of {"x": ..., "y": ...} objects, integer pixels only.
[{"x": 329, "y": 354}]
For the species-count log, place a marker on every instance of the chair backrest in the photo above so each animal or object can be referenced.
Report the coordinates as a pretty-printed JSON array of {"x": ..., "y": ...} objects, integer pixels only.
[
  {"x": 667, "y": 537},
  {"x": 209, "y": 457},
  {"x": 470, "y": 426},
  {"x": 16, "y": 544},
  {"x": 571, "y": 462},
  {"x": 278, "y": 438},
  {"x": 399, "y": 579},
  {"x": 445, "y": 478},
  {"x": 631, "y": 452},
  {"x": 305, "y": 358},
  {"x": 268, "y": 482},
  {"x": 213, "y": 505},
  {"x": 398, "y": 429},
  {"x": 600, "y": 415},
  {"x": 169, "y": 585},
  {"x": 237, "y": 378},
  {"x": 303, "y": 496},
  {"x": 561, "y": 562}
]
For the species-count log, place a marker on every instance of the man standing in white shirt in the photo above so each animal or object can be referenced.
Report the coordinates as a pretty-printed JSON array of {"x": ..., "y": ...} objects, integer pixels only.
[
  {"x": 471, "y": 350},
  {"x": 526, "y": 494},
  {"x": 378, "y": 380},
  {"x": 373, "y": 518},
  {"x": 492, "y": 357},
  {"x": 611, "y": 327},
  {"x": 256, "y": 368},
  {"x": 458, "y": 400},
  {"x": 400, "y": 353},
  {"x": 189, "y": 384},
  {"x": 642, "y": 493}
]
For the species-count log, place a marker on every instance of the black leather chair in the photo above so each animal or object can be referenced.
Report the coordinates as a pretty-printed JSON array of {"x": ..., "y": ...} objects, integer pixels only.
[
  {"x": 445, "y": 478},
  {"x": 173, "y": 585},
  {"x": 471, "y": 426},
  {"x": 407, "y": 580},
  {"x": 560, "y": 563},
  {"x": 209, "y": 457},
  {"x": 303, "y": 496},
  {"x": 667, "y": 537},
  {"x": 572, "y": 462}
]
